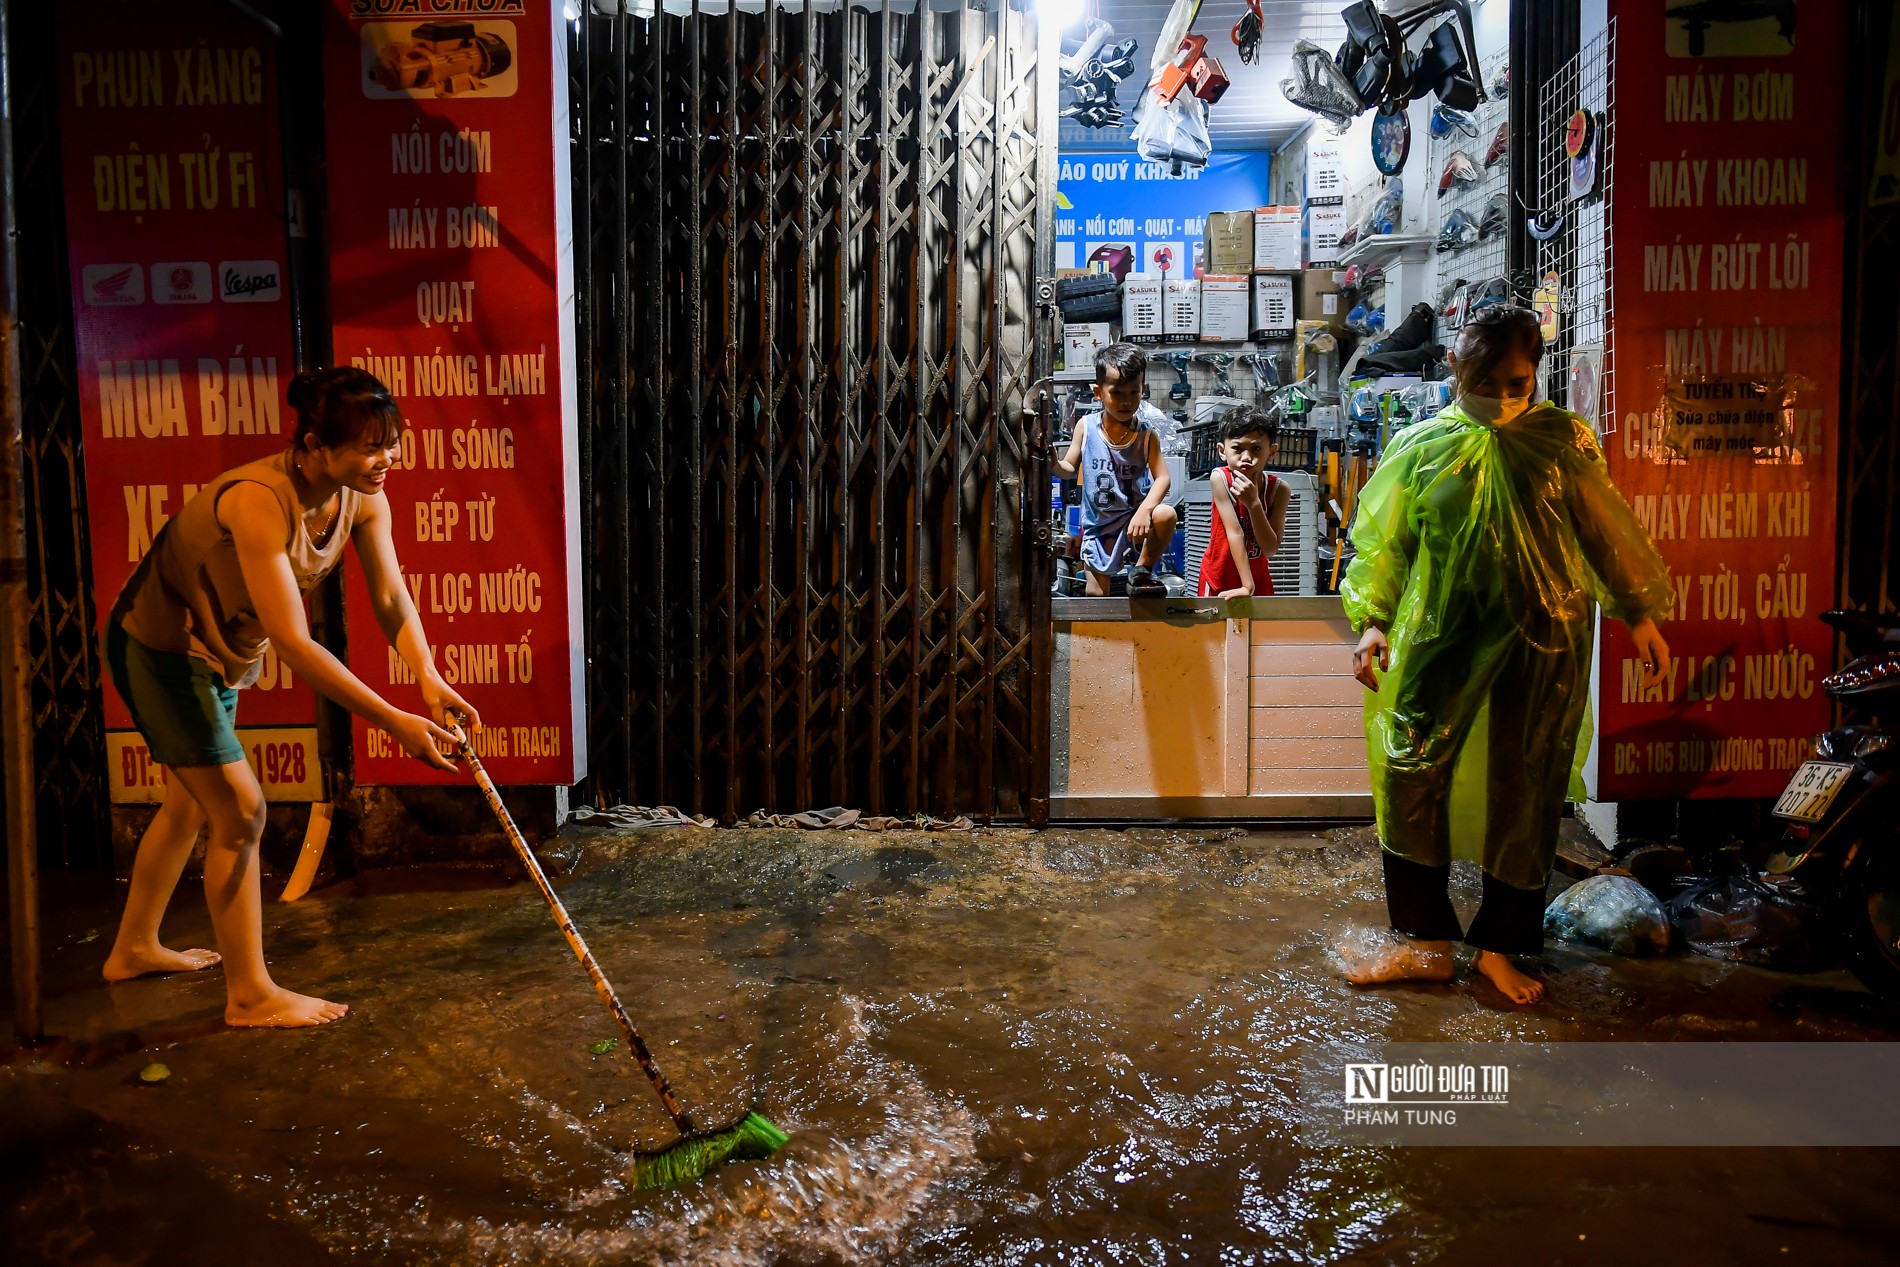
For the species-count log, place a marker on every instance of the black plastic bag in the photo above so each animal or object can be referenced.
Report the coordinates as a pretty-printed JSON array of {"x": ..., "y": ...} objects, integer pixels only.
[{"x": 1741, "y": 919}]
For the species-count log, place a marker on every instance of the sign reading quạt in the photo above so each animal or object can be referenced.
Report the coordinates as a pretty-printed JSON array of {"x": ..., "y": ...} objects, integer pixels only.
[{"x": 452, "y": 281}]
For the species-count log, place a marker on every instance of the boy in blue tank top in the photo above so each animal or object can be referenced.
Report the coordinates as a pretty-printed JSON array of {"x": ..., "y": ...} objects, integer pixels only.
[{"x": 1115, "y": 455}]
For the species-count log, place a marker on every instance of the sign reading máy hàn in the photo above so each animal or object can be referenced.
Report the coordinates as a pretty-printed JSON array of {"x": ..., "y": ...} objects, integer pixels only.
[
  {"x": 174, "y": 200},
  {"x": 1726, "y": 343},
  {"x": 452, "y": 282}
]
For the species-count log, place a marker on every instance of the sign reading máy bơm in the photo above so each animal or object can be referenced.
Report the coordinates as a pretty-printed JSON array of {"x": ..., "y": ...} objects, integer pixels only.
[
  {"x": 181, "y": 314},
  {"x": 452, "y": 281},
  {"x": 1726, "y": 344}
]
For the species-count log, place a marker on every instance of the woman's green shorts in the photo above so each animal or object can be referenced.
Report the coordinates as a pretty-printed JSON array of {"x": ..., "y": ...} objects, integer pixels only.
[{"x": 179, "y": 703}]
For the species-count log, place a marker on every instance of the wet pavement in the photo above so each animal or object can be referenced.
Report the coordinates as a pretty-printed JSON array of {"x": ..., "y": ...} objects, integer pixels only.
[{"x": 992, "y": 1047}]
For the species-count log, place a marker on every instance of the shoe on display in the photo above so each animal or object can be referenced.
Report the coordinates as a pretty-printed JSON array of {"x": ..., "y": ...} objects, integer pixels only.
[
  {"x": 1445, "y": 121},
  {"x": 1459, "y": 170},
  {"x": 1460, "y": 231},
  {"x": 1492, "y": 223},
  {"x": 1500, "y": 145}
]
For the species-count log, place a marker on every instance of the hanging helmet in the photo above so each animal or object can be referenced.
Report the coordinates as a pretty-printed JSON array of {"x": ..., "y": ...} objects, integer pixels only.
[
  {"x": 1459, "y": 232},
  {"x": 1454, "y": 308},
  {"x": 1500, "y": 145},
  {"x": 1350, "y": 236},
  {"x": 1493, "y": 221},
  {"x": 1501, "y": 82},
  {"x": 1375, "y": 321},
  {"x": 1446, "y": 120},
  {"x": 1490, "y": 295},
  {"x": 1459, "y": 170},
  {"x": 1546, "y": 225}
]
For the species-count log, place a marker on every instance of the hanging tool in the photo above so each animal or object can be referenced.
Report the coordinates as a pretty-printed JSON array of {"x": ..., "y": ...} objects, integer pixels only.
[
  {"x": 1193, "y": 69},
  {"x": 1247, "y": 32},
  {"x": 1180, "y": 389},
  {"x": 751, "y": 1138},
  {"x": 1266, "y": 371},
  {"x": 1222, "y": 362}
]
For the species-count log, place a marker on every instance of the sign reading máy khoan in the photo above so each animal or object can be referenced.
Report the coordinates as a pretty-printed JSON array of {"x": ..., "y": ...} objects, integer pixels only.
[
  {"x": 174, "y": 197},
  {"x": 1728, "y": 224},
  {"x": 452, "y": 282}
]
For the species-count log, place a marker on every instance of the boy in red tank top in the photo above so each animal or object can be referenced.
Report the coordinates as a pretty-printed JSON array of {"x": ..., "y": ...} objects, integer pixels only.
[{"x": 1249, "y": 509}]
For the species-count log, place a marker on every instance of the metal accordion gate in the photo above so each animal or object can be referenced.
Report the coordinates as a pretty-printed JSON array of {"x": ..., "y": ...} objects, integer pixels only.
[{"x": 807, "y": 241}]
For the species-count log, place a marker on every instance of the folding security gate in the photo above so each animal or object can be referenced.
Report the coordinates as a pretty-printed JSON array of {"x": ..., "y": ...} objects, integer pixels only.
[{"x": 807, "y": 240}]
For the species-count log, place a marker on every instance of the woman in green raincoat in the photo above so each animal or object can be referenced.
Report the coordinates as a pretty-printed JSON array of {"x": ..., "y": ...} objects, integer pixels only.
[{"x": 1482, "y": 541}]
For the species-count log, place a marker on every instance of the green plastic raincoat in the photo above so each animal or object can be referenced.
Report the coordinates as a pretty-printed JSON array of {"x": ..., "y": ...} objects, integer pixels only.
[{"x": 1481, "y": 550}]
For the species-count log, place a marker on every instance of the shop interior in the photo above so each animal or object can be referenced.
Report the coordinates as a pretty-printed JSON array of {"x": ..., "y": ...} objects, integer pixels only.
[{"x": 1293, "y": 210}]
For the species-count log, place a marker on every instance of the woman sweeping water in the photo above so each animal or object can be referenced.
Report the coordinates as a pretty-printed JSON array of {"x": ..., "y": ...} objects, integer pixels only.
[
  {"x": 1483, "y": 539},
  {"x": 225, "y": 581}
]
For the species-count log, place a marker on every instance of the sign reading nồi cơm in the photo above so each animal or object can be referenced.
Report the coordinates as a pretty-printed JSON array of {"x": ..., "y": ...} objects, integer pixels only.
[{"x": 452, "y": 281}]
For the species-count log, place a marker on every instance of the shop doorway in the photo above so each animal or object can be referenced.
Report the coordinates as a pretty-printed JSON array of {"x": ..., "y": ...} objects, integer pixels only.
[{"x": 807, "y": 242}]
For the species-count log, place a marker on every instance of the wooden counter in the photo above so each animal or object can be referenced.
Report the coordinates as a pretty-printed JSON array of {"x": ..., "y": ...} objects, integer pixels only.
[{"x": 1203, "y": 708}]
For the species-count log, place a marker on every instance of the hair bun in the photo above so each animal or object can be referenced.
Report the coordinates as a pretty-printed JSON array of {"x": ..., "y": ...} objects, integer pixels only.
[{"x": 298, "y": 393}]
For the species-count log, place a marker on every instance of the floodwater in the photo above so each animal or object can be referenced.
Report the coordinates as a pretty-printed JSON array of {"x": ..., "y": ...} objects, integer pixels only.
[{"x": 997, "y": 1047}]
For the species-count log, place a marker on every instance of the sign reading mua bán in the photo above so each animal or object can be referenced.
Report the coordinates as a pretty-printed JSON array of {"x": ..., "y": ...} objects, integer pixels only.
[
  {"x": 181, "y": 320},
  {"x": 452, "y": 282}
]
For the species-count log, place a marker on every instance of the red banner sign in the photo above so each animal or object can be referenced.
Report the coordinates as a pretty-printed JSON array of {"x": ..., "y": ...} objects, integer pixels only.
[
  {"x": 175, "y": 232},
  {"x": 1727, "y": 238},
  {"x": 452, "y": 282}
]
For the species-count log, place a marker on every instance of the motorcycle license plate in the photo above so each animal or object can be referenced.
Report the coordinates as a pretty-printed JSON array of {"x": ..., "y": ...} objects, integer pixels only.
[{"x": 1811, "y": 790}]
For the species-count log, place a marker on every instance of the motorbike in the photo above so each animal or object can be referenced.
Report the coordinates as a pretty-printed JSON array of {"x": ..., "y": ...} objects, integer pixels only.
[{"x": 1840, "y": 839}]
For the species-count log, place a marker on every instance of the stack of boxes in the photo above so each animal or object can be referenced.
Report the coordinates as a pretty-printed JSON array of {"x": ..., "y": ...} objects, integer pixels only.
[{"x": 1264, "y": 274}]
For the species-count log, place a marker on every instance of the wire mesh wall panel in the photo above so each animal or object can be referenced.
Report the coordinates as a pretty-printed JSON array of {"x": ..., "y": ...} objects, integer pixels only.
[
  {"x": 812, "y": 238},
  {"x": 1582, "y": 251},
  {"x": 1484, "y": 260},
  {"x": 63, "y": 654}
]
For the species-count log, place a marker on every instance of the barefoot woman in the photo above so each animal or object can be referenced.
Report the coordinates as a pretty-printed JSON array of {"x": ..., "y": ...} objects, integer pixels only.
[
  {"x": 1482, "y": 540},
  {"x": 225, "y": 580}
]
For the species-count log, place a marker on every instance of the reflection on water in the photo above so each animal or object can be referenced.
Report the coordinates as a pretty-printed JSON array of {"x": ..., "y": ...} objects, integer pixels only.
[{"x": 1067, "y": 1047}]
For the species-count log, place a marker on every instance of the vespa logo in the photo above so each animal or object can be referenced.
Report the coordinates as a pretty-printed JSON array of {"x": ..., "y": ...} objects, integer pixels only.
[
  {"x": 249, "y": 281},
  {"x": 112, "y": 285}
]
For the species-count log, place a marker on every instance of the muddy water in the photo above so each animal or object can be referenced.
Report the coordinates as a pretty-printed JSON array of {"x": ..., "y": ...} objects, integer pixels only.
[{"x": 995, "y": 1048}]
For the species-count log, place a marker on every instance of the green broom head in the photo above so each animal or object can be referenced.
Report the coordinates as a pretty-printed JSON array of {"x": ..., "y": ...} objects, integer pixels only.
[{"x": 753, "y": 1139}]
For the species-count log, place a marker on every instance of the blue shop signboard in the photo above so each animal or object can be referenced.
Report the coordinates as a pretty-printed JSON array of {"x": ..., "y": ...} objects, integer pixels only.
[{"x": 1110, "y": 201}]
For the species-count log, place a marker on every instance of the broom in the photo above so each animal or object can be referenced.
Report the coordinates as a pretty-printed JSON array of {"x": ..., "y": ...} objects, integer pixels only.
[{"x": 751, "y": 1138}]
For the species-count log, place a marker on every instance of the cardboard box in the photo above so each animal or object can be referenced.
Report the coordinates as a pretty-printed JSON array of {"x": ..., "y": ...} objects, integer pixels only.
[
  {"x": 1319, "y": 298},
  {"x": 1224, "y": 309},
  {"x": 1272, "y": 306},
  {"x": 1276, "y": 239},
  {"x": 1141, "y": 308},
  {"x": 1181, "y": 308},
  {"x": 1325, "y": 170},
  {"x": 1324, "y": 225},
  {"x": 1230, "y": 245},
  {"x": 1081, "y": 340}
]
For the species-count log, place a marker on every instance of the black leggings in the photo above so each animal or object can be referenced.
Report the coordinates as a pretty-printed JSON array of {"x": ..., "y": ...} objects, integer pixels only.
[{"x": 1509, "y": 921}]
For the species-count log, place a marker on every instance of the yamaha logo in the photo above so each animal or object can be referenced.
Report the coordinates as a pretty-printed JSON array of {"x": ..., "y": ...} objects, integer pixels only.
[{"x": 249, "y": 281}]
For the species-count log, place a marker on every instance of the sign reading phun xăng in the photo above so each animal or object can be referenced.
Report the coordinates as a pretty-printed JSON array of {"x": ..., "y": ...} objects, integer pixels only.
[{"x": 181, "y": 316}]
